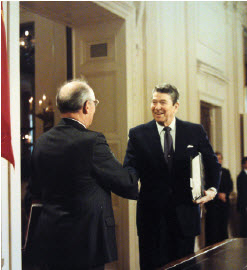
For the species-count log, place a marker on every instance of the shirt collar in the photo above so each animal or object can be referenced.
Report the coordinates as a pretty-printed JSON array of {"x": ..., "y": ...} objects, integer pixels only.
[
  {"x": 76, "y": 121},
  {"x": 172, "y": 125}
]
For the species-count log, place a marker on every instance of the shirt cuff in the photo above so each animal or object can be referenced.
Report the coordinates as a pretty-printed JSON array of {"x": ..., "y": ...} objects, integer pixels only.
[{"x": 213, "y": 189}]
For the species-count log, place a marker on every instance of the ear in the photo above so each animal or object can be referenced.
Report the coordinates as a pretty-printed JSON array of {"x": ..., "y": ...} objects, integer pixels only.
[
  {"x": 176, "y": 106},
  {"x": 85, "y": 108}
]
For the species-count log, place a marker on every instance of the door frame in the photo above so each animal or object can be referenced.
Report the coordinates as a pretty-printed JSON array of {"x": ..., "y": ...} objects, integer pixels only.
[{"x": 135, "y": 95}]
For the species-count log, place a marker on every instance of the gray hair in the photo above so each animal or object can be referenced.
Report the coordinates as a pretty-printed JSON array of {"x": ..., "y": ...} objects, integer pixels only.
[
  {"x": 72, "y": 95},
  {"x": 168, "y": 89}
]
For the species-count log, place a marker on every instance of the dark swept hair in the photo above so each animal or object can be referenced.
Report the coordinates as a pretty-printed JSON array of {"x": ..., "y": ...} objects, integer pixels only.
[
  {"x": 76, "y": 96},
  {"x": 168, "y": 89},
  {"x": 244, "y": 159},
  {"x": 217, "y": 153}
]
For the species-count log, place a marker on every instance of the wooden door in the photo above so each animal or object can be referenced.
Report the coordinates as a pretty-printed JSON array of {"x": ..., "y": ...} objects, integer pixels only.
[{"x": 99, "y": 56}]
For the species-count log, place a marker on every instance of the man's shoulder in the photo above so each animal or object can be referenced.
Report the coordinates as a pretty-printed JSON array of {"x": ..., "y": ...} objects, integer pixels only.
[
  {"x": 142, "y": 127},
  {"x": 188, "y": 129},
  {"x": 152, "y": 124},
  {"x": 46, "y": 134},
  {"x": 69, "y": 133},
  {"x": 225, "y": 170},
  {"x": 242, "y": 175},
  {"x": 187, "y": 124}
]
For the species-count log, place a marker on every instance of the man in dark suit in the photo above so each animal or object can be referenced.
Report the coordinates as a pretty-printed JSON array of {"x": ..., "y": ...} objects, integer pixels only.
[
  {"x": 217, "y": 211},
  {"x": 167, "y": 219},
  {"x": 73, "y": 175},
  {"x": 242, "y": 198}
]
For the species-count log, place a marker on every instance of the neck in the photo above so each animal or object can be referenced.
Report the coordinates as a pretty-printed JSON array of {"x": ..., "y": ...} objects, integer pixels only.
[
  {"x": 77, "y": 116},
  {"x": 168, "y": 122}
]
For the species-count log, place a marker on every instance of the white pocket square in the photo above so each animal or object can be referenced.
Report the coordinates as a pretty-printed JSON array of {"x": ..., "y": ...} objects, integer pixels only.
[{"x": 190, "y": 146}]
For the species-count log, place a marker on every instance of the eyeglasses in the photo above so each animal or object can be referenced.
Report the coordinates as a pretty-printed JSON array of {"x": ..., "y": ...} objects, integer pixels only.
[{"x": 96, "y": 102}]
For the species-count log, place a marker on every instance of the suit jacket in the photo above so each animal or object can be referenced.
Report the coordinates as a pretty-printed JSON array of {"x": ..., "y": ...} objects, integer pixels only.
[
  {"x": 73, "y": 174},
  {"x": 161, "y": 191},
  {"x": 242, "y": 192}
]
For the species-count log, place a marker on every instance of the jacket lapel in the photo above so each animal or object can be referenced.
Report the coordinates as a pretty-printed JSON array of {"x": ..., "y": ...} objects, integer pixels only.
[
  {"x": 179, "y": 140},
  {"x": 154, "y": 140}
]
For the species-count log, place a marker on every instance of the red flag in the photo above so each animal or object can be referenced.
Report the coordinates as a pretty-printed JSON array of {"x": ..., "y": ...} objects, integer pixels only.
[{"x": 6, "y": 147}]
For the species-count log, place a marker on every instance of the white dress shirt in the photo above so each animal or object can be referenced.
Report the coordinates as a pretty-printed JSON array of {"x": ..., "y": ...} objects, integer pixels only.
[
  {"x": 76, "y": 121},
  {"x": 162, "y": 133}
]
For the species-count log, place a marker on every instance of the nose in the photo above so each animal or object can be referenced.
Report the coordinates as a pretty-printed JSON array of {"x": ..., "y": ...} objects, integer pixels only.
[{"x": 157, "y": 106}]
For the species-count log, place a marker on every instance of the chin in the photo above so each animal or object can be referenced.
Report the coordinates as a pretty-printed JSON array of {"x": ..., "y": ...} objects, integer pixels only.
[{"x": 161, "y": 122}]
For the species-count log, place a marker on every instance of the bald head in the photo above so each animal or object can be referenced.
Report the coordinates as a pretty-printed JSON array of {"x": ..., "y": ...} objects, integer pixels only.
[{"x": 72, "y": 96}]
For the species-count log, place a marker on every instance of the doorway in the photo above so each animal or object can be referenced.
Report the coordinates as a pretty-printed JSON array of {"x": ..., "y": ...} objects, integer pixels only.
[
  {"x": 98, "y": 46},
  {"x": 211, "y": 119}
]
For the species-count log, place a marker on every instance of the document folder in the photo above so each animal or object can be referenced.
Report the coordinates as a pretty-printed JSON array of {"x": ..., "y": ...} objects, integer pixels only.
[
  {"x": 34, "y": 214},
  {"x": 197, "y": 177}
]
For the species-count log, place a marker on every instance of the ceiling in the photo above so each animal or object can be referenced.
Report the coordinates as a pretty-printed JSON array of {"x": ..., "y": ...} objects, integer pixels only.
[{"x": 70, "y": 13}]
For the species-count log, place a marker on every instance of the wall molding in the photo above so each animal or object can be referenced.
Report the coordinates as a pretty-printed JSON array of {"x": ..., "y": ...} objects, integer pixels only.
[
  {"x": 211, "y": 71},
  {"x": 214, "y": 100},
  {"x": 120, "y": 8}
]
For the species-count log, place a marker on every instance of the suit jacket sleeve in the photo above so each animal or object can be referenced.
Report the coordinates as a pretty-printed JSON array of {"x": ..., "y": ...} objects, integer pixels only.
[
  {"x": 110, "y": 173},
  {"x": 130, "y": 160},
  {"x": 210, "y": 161}
]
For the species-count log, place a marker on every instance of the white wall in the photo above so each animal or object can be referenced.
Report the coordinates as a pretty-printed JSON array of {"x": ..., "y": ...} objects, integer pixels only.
[{"x": 198, "y": 47}]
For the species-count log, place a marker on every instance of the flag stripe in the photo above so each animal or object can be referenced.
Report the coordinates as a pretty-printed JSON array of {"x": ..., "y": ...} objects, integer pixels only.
[{"x": 6, "y": 146}]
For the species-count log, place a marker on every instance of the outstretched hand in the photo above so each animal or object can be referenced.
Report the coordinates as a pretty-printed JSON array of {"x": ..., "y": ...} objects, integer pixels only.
[{"x": 209, "y": 196}]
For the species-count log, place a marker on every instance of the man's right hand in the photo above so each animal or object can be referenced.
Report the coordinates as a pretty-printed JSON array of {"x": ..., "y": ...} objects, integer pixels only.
[{"x": 222, "y": 196}]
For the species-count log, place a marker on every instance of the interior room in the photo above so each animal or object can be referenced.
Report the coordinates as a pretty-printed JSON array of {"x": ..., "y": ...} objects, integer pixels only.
[{"x": 122, "y": 49}]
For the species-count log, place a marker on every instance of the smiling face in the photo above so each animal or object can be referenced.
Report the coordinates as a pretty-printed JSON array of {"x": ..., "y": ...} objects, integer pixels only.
[{"x": 163, "y": 109}]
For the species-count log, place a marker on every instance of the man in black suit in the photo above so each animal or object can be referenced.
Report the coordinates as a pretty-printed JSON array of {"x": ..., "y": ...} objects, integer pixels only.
[
  {"x": 167, "y": 219},
  {"x": 73, "y": 175},
  {"x": 217, "y": 211},
  {"x": 242, "y": 198}
]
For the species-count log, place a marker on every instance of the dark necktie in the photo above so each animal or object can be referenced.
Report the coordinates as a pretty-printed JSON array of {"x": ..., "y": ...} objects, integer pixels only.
[{"x": 168, "y": 147}]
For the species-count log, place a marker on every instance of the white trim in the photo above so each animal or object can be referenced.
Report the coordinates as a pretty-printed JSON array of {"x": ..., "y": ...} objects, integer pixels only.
[
  {"x": 134, "y": 92},
  {"x": 120, "y": 8},
  {"x": 209, "y": 70},
  {"x": 11, "y": 181},
  {"x": 214, "y": 100},
  {"x": 4, "y": 215}
]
